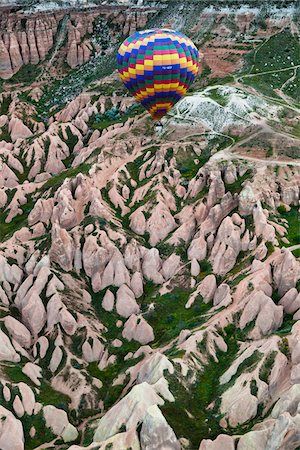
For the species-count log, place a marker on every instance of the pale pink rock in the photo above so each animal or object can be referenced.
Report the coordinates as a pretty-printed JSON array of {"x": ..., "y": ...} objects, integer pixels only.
[
  {"x": 7, "y": 351},
  {"x": 8, "y": 178},
  {"x": 262, "y": 227},
  {"x": 286, "y": 271},
  {"x": 57, "y": 420},
  {"x": 247, "y": 200},
  {"x": 136, "y": 284},
  {"x": 92, "y": 352},
  {"x": 6, "y": 70},
  {"x": 152, "y": 265},
  {"x": 3, "y": 297},
  {"x": 41, "y": 212},
  {"x": 43, "y": 346},
  {"x": 6, "y": 393},
  {"x": 18, "y": 331},
  {"x": 55, "y": 359},
  {"x": 223, "y": 442},
  {"x": 138, "y": 222},
  {"x": 18, "y": 407},
  {"x": 18, "y": 130},
  {"x": 245, "y": 241},
  {"x": 160, "y": 223},
  {"x": 208, "y": 288},
  {"x": 268, "y": 315},
  {"x": 226, "y": 248},
  {"x": 126, "y": 304},
  {"x": 94, "y": 260},
  {"x": 34, "y": 372},
  {"x": 28, "y": 398},
  {"x": 136, "y": 328},
  {"x": 67, "y": 321},
  {"x": 170, "y": 266},
  {"x": 288, "y": 402},
  {"x": 238, "y": 404},
  {"x": 3, "y": 198},
  {"x": 287, "y": 300},
  {"x": 295, "y": 374},
  {"x": 115, "y": 273},
  {"x": 34, "y": 313},
  {"x": 230, "y": 174},
  {"x": 195, "y": 268},
  {"x": 184, "y": 233},
  {"x": 11, "y": 431},
  {"x": 132, "y": 256},
  {"x": 3, "y": 120},
  {"x": 154, "y": 367},
  {"x": 14, "y": 52},
  {"x": 197, "y": 249},
  {"x": 156, "y": 433},
  {"x": 129, "y": 411},
  {"x": 222, "y": 295},
  {"x": 117, "y": 343},
  {"x": 184, "y": 334},
  {"x": 62, "y": 248},
  {"x": 72, "y": 57},
  {"x": 108, "y": 301}
]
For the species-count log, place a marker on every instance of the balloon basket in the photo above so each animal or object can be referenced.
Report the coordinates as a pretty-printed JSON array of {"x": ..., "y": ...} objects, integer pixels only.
[{"x": 158, "y": 127}]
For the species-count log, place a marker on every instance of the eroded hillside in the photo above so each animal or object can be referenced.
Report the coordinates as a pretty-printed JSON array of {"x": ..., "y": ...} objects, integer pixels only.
[{"x": 149, "y": 281}]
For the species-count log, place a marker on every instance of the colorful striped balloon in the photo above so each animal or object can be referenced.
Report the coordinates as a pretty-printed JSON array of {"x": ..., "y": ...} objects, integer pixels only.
[{"x": 157, "y": 67}]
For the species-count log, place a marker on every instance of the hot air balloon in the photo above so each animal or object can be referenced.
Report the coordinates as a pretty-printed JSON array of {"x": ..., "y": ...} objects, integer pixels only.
[{"x": 158, "y": 66}]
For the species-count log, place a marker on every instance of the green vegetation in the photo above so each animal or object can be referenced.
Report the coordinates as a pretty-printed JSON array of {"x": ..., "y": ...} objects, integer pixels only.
[
  {"x": 42, "y": 435},
  {"x": 49, "y": 396},
  {"x": 277, "y": 58},
  {"x": 293, "y": 219},
  {"x": 71, "y": 139},
  {"x": 112, "y": 116},
  {"x": 55, "y": 181},
  {"x": 4, "y": 106},
  {"x": 236, "y": 187},
  {"x": 109, "y": 394},
  {"x": 4, "y": 134},
  {"x": 215, "y": 95},
  {"x": 170, "y": 316},
  {"x": 266, "y": 368},
  {"x": 190, "y": 414},
  {"x": 7, "y": 229},
  {"x": 15, "y": 374},
  {"x": 27, "y": 74},
  {"x": 286, "y": 326}
]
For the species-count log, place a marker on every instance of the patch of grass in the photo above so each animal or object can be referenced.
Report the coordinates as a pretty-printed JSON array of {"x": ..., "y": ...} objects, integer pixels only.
[
  {"x": 170, "y": 316},
  {"x": 5, "y": 134},
  {"x": 266, "y": 368},
  {"x": 15, "y": 374},
  {"x": 286, "y": 326},
  {"x": 112, "y": 116},
  {"x": 281, "y": 52},
  {"x": 8, "y": 229},
  {"x": 55, "y": 181},
  {"x": 293, "y": 218},
  {"x": 236, "y": 187},
  {"x": 42, "y": 435},
  {"x": 27, "y": 74},
  {"x": 189, "y": 415},
  {"x": 49, "y": 396},
  {"x": 4, "y": 106}
]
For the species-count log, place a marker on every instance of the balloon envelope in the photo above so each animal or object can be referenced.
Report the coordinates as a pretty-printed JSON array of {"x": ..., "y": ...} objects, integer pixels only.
[{"x": 157, "y": 67}]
